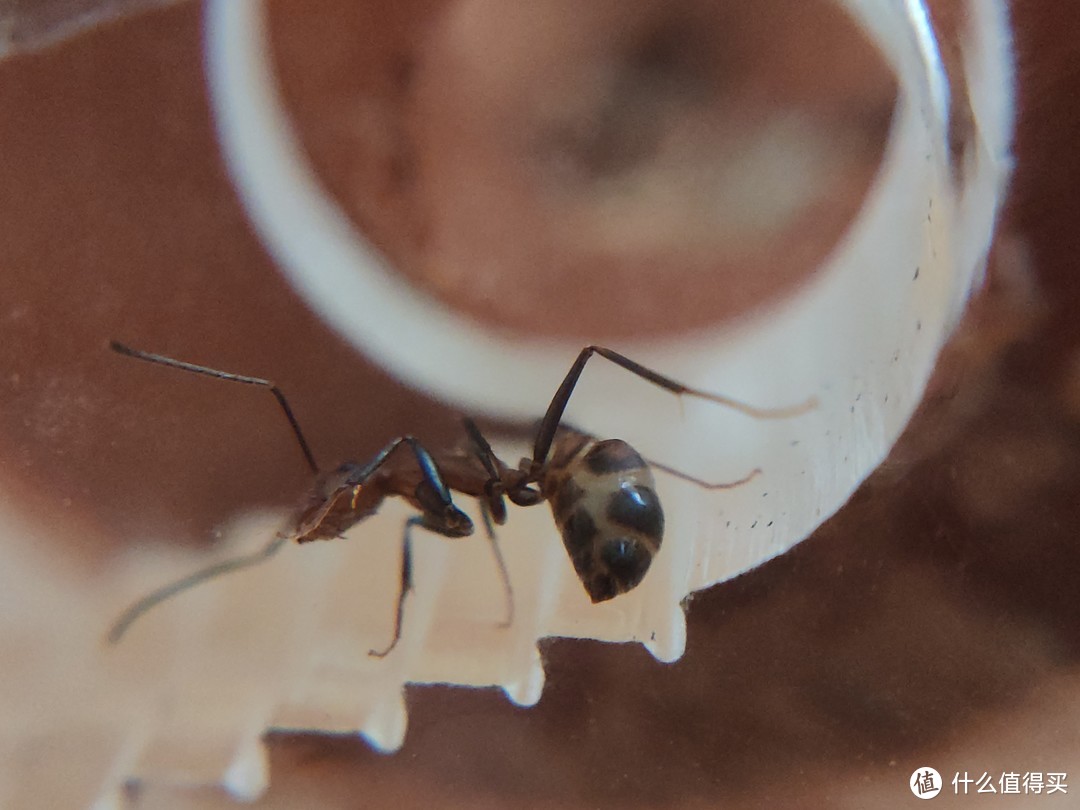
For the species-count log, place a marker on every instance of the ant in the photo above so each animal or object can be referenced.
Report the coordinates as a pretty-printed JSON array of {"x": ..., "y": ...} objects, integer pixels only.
[{"x": 601, "y": 492}]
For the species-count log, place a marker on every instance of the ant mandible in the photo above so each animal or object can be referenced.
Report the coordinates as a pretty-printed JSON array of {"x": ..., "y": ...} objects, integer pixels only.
[{"x": 601, "y": 492}]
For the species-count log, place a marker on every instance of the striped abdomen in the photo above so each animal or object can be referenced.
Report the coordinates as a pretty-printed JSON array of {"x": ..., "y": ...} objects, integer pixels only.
[{"x": 605, "y": 505}]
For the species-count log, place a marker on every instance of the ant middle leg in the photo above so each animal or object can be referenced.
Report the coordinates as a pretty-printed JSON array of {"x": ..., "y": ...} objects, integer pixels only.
[{"x": 553, "y": 417}]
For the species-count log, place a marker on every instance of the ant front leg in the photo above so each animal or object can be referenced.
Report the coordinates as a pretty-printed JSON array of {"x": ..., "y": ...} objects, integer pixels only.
[
  {"x": 433, "y": 524},
  {"x": 406, "y": 583},
  {"x": 405, "y": 587},
  {"x": 440, "y": 515}
]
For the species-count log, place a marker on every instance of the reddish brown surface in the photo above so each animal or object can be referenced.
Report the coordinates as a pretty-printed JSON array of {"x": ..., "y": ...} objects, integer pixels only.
[{"x": 934, "y": 621}]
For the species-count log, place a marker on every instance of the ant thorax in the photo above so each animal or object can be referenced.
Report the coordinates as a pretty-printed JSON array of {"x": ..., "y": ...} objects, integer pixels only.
[{"x": 603, "y": 497}]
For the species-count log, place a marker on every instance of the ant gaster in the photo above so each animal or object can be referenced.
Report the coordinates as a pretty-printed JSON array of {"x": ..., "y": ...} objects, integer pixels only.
[{"x": 601, "y": 492}]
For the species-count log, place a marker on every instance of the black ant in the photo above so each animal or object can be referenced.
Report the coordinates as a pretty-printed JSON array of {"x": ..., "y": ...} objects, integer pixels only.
[{"x": 601, "y": 492}]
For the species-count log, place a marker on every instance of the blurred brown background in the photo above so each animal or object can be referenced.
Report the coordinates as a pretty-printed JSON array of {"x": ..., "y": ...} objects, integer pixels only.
[{"x": 934, "y": 621}]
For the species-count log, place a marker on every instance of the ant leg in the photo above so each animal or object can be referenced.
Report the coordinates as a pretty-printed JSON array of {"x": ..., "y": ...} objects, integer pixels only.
[
  {"x": 162, "y": 360},
  {"x": 129, "y": 616},
  {"x": 440, "y": 515},
  {"x": 702, "y": 483},
  {"x": 483, "y": 448},
  {"x": 504, "y": 574},
  {"x": 487, "y": 506},
  {"x": 428, "y": 469},
  {"x": 493, "y": 487},
  {"x": 546, "y": 434},
  {"x": 406, "y": 586}
]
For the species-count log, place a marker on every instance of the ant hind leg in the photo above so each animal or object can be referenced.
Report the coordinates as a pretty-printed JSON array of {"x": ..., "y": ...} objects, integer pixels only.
[
  {"x": 703, "y": 483},
  {"x": 553, "y": 417}
]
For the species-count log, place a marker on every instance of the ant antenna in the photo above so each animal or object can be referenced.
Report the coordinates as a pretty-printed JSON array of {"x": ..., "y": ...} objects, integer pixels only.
[{"x": 151, "y": 600}]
